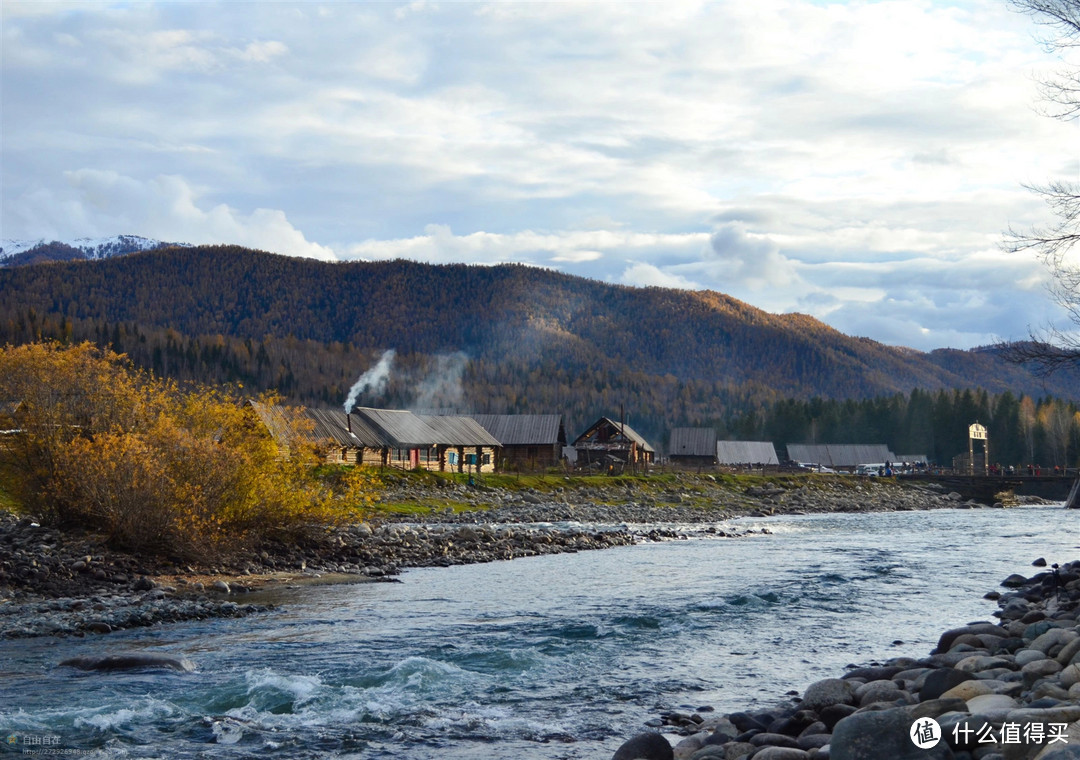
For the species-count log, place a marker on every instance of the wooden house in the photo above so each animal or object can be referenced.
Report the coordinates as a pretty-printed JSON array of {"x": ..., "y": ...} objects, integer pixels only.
[
  {"x": 529, "y": 441},
  {"x": 452, "y": 444},
  {"x": 384, "y": 437},
  {"x": 693, "y": 447},
  {"x": 608, "y": 442},
  {"x": 336, "y": 437}
]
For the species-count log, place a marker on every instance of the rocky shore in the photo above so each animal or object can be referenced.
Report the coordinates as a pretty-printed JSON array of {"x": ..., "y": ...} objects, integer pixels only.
[
  {"x": 70, "y": 583},
  {"x": 1002, "y": 690}
]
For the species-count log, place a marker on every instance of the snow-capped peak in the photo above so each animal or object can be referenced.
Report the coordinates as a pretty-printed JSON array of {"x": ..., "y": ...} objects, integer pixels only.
[{"x": 91, "y": 248}]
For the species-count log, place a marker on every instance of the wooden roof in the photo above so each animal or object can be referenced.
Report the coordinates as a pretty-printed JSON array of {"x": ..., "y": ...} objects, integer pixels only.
[
  {"x": 615, "y": 431},
  {"x": 460, "y": 431},
  {"x": 407, "y": 430},
  {"x": 746, "y": 452},
  {"x": 692, "y": 442},
  {"x": 840, "y": 454},
  {"x": 371, "y": 428},
  {"x": 524, "y": 429}
]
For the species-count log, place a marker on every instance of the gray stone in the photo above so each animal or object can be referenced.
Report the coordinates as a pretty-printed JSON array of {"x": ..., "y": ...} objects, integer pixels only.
[
  {"x": 1025, "y": 656},
  {"x": 879, "y": 735},
  {"x": 935, "y": 708},
  {"x": 940, "y": 681},
  {"x": 1069, "y": 676},
  {"x": 814, "y": 741},
  {"x": 877, "y": 691},
  {"x": 830, "y": 691},
  {"x": 735, "y": 750},
  {"x": 991, "y": 705},
  {"x": 221, "y": 586},
  {"x": 1053, "y": 637},
  {"x": 774, "y": 740},
  {"x": 647, "y": 746},
  {"x": 690, "y": 745},
  {"x": 131, "y": 661},
  {"x": 1069, "y": 652},
  {"x": 1033, "y": 671},
  {"x": 713, "y": 752},
  {"x": 780, "y": 753}
]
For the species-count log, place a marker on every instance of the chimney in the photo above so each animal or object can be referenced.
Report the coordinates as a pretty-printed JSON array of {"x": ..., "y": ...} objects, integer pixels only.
[{"x": 348, "y": 420}]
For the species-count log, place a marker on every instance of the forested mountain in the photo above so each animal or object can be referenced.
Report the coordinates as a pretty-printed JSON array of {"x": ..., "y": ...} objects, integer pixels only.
[{"x": 488, "y": 339}]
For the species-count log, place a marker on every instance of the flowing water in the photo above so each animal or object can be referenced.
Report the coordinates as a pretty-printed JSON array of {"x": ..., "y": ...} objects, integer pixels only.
[{"x": 550, "y": 657}]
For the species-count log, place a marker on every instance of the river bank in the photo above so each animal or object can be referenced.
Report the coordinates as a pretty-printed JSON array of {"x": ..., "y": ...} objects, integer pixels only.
[
  {"x": 71, "y": 583},
  {"x": 1004, "y": 690}
]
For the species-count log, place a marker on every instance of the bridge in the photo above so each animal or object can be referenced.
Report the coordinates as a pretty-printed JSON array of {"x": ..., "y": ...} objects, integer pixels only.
[{"x": 985, "y": 488}]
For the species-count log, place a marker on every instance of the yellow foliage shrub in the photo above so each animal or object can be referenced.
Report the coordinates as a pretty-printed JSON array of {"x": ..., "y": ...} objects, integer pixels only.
[{"x": 188, "y": 473}]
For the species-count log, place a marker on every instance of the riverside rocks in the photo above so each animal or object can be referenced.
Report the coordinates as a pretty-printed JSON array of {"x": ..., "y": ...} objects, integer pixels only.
[
  {"x": 998, "y": 691},
  {"x": 100, "y": 599}
]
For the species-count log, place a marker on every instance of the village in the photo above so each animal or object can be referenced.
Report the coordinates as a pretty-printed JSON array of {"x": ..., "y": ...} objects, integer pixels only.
[{"x": 484, "y": 443}]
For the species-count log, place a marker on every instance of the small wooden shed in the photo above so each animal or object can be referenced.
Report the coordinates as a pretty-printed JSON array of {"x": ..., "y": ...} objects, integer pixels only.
[{"x": 693, "y": 447}]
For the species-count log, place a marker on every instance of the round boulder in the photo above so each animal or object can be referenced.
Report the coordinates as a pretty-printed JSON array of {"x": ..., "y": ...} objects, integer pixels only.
[
  {"x": 877, "y": 691},
  {"x": 940, "y": 681},
  {"x": 881, "y": 734},
  {"x": 781, "y": 753},
  {"x": 968, "y": 690},
  {"x": 647, "y": 746},
  {"x": 828, "y": 692}
]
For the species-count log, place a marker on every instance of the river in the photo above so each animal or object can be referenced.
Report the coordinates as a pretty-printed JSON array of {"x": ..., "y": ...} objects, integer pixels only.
[{"x": 556, "y": 658}]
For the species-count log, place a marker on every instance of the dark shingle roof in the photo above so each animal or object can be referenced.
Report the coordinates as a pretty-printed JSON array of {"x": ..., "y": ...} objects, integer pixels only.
[
  {"x": 408, "y": 430},
  {"x": 840, "y": 454},
  {"x": 523, "y": 429},
  {"x": 371, "y": 428},
  {"x": 617, "y": 427},
  {"x": 693, "y": 442},
  {"x": 460, "y": 431},
  {"x": 746, "y": 452}
]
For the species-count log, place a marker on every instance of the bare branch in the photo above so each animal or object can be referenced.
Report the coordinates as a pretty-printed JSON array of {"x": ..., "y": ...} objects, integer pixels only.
[{"x": 1055, "y": 243}]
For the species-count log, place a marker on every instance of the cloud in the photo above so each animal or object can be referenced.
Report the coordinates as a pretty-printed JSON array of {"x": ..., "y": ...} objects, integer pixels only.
[
  {"x": 647, "y": 275},
  {"x": 103, "y": 203},
  {"x": 753, "y": 260},
  {"x": 440, "y": 243}
]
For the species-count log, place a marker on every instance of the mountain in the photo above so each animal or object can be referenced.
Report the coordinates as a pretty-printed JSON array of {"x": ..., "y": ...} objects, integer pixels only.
[
  {"x": 21, "y": 252},
  {"x": 505, "y": 338}
]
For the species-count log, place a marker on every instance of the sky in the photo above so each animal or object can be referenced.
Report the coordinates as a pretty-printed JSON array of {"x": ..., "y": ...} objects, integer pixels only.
[{"x": 855, "y": 161}]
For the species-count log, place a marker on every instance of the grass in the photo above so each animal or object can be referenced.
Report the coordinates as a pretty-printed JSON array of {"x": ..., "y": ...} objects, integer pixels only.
[{"x": 701, "y": 490}]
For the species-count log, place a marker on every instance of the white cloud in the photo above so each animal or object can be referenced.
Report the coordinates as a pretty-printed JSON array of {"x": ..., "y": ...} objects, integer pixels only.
[
  {"x": 753, "y": 260},
  {"x": 646, "y": 275},
  {"x": 101, "y": 203},
  {"x": 439, "y": 243}
]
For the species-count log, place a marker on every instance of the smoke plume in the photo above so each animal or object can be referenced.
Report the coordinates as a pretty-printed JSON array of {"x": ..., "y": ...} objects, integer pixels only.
[
  {"x": 374, "y": 379},
  {"x": 442, "y": 388}
]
